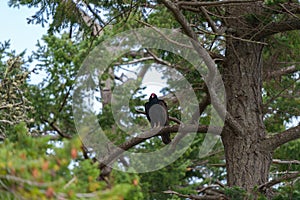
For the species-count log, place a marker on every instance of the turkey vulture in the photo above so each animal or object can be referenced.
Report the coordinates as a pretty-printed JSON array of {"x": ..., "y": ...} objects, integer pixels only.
[{"x": 157, "y": 114}]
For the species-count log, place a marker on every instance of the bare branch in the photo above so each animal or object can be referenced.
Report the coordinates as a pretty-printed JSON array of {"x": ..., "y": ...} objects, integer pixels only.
[
  {"x": 57, "y": 129},
  {"x": 209, "y": 20},
  {"x": 281, "y": 72},
  {"x": 278, "y": 27},
  {"x": 184, "y": 129},
  {"x": 195, "y": 197},
  {"x": 214, "y": 3},
  {"x": 273, "y": 182},
  {"x": 290, "y": 162},
  {"x": 136, "y": 61},
  {"x": 281, "y": 138}
]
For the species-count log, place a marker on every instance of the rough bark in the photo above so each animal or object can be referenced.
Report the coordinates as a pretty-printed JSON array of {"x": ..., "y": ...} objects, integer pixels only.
[{"x": 246, "y": 163}]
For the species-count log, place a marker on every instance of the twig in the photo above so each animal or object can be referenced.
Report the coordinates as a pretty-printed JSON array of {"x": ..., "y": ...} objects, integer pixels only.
[{"x": 70, "y": 182}]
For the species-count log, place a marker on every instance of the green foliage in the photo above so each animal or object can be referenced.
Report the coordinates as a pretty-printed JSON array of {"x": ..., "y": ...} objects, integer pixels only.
[
  {"x": 36, "y": 168},
  {"x": 236, "y": 193},
  {"x": 289, "y": 191}
]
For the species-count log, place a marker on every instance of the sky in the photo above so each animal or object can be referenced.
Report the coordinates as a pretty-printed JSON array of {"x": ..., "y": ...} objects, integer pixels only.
[
  {"x": 14, "y": 27},
  {"x": 24, "y": 36}
]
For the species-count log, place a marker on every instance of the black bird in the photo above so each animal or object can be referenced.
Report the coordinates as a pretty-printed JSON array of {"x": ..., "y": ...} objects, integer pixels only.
[{"x": 157, "y": 114}]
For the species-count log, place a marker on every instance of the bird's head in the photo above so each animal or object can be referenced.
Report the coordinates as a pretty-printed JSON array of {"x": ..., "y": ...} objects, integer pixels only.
[{"x": 152, "y": 96}]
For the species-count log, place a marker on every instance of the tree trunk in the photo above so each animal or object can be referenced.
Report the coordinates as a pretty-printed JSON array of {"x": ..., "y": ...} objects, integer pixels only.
[{"x": 247, "y": 165}]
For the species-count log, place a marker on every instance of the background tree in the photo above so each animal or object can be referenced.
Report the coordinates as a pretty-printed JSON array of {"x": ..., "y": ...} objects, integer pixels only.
[{"x": 255, "y": 46}]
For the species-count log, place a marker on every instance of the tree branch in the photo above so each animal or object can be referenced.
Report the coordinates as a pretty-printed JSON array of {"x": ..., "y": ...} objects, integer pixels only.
[
  {"x": 278, "y": 27},
  {"x": 281, "y": 72},
  {"x": 116, "y": 153},
  {"x": 214, "y": 3},
  {"x": 273, "y": 182},
  {"x": 57, "y": 129},
  {"x": 289, "y": 162},
  {"x": 196, "y": 197},
  {"x": 281, "y": 138}
]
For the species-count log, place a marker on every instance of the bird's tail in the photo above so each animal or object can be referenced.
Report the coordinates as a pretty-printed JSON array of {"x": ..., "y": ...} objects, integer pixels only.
[{"x": 166, "y": 138}]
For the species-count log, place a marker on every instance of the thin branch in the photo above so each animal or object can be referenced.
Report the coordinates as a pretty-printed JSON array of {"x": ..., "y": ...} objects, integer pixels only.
[
  {"x": 281, "y": 138},
  {"x": 277, "y": 27},
  {"x": 202, "y": 106},
  {"x": 278, "y": 180},
  {"x": 214, "y": 3},
  {"x": 273, "y": 98},
  {"x": 6, "y": 121},
  {"x": 288, "y": 11},
  {"x": 159, "y": 60},
  {"x": 290, "y": 162},
  {"x": 57, "y": 129},
  {"x": 209, "y": 20},
  {"x": 196, "y": 197},
  {"x": 29, "y": 182},
  {"x": 135, "y": 61},
  {"x": 281, "y": 72}
]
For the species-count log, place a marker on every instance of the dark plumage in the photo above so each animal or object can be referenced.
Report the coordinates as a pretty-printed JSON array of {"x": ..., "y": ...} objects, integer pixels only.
[{"x": 157, "y": 114}]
